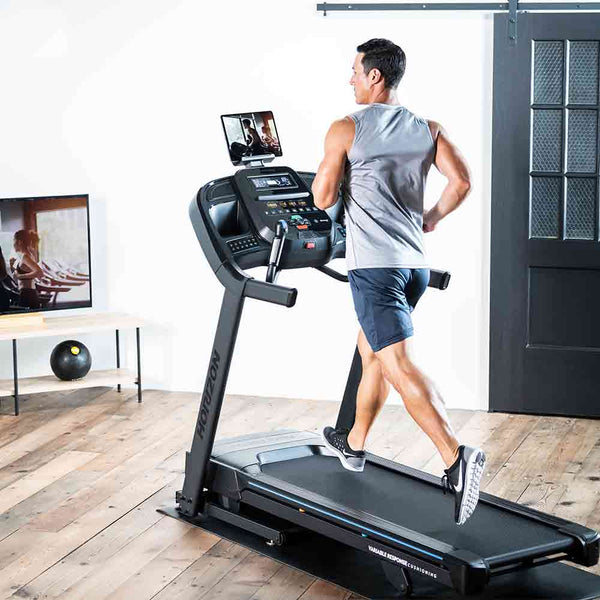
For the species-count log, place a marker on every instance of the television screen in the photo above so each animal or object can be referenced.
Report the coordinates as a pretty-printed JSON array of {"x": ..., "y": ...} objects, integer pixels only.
[
  {"x": 251, "y": 136},
  {"x": 44, "y": 254}
]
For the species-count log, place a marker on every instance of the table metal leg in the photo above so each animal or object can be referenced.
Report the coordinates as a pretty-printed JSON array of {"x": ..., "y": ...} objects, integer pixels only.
[
  {"x": 118, "y": 358},
  {"x": 139, "y": 364},
  {"x": 15, "y": 376}
]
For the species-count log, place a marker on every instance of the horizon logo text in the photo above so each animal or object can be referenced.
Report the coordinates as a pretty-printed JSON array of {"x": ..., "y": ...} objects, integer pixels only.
[{"x": 207, "y": 395}]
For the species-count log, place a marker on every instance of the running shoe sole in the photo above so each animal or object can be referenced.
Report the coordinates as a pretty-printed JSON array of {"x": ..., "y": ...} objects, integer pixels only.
[{"x": 474, "y": 471}]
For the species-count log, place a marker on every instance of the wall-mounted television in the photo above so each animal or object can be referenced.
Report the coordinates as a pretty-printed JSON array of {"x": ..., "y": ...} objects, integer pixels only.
[{"x": 44, "y": 254}]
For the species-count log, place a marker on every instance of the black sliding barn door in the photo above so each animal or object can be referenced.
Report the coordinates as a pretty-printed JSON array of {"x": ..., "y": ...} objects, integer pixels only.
[{"x": 545, "y": 261}]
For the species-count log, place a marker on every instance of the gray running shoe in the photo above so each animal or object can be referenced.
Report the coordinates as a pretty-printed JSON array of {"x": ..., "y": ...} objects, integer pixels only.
[
  {"x": 337, "y": 441},
  {"x": 463, "y": 479}
]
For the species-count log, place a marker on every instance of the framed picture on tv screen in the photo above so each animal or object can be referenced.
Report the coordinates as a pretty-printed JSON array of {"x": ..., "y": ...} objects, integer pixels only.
[{"x": 44, "y": 254}]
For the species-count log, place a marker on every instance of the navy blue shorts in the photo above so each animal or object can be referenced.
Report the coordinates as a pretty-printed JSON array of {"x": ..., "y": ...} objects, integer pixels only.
[{"x": 383, "y": 300}]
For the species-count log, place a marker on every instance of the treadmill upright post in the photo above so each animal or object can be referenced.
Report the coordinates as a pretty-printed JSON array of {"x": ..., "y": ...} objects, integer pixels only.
[
  {"x": 191, "y": 498},
  {"x": 347, "y": 412}
]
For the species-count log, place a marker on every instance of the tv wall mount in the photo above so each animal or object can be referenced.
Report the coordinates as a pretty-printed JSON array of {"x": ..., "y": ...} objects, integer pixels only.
[{"x": 513, "y": 7}]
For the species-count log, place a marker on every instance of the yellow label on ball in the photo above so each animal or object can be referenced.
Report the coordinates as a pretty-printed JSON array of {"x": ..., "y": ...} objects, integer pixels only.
[{"x": 75, "y": 350}]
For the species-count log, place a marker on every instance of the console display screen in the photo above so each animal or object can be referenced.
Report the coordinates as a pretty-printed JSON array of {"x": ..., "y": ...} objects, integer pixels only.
[
  {"x": 251, "y": 136},
  {"x": 273, "y": 182}
]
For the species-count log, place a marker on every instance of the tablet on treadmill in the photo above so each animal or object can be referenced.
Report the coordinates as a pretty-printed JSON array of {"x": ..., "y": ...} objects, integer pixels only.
[{"x": 251, "y": 136}]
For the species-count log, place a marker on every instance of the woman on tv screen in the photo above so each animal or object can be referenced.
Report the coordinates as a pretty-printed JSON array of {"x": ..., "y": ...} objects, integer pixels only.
[
  {"x": 26, "y": 268},
  {"x": 45, "y": 244},
  {"x": 4, "y": 296}
]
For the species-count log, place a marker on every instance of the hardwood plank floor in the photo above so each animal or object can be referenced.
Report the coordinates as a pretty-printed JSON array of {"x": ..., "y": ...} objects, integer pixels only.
[{"x": 82, "y": 473}]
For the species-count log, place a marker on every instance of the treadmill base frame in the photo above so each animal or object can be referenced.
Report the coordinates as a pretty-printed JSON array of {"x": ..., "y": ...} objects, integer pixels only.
[{"x": 363, "y": 574}]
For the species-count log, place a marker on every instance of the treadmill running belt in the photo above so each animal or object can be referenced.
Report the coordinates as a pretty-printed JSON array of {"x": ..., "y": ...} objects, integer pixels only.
[{"x": 416, "y": 505}]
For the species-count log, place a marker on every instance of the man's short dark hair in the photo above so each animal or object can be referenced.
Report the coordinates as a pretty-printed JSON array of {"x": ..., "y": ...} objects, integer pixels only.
[{"x": 385, "y": 56}]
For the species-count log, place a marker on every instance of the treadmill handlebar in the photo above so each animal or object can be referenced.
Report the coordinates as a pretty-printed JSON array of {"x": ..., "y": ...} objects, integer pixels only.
[
  {"x": 238, "y": 281},
  {"x": 270, "y": 292},
  {"x": 437, "y": 279},
  {"x": 232, "y": 277},
  {"x": 333, "y": 273}
]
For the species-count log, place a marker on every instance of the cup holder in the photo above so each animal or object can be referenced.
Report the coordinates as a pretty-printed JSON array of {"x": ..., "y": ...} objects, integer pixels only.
[{"x": 229, "y": 219}]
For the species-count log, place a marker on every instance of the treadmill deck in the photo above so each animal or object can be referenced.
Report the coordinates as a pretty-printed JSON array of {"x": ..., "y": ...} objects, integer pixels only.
[
  {"x": 416, "y": 505},
  {"x": 382, "y": 497}
]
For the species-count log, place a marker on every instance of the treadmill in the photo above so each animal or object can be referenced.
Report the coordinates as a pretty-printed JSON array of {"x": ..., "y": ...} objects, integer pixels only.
[{"x": 279, "y": 483}]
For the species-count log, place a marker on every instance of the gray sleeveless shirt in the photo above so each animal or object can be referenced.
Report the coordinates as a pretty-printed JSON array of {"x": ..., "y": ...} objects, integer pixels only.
[{"x": 383, "y": 188}]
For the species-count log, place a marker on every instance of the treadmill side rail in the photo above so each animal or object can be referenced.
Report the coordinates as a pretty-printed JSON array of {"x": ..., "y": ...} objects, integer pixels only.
[
  {"x": 463, "y": 570},
  {"x": 356, "y": 540}
]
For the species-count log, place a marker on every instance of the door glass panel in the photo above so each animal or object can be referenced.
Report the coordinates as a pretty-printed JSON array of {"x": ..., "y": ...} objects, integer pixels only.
[
  {"x": 583, "y": 72},
  {"x": 582, "y": 136},
  {"x": 548, "y": 72},
  {"x": 581, "y": 208},
  {"x": 546, "y": 154},
  {"x": 545, "y": 207}
]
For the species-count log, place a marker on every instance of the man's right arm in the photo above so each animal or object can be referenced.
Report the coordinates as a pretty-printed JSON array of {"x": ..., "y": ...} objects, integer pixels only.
[{"x": 449, "y": 162}]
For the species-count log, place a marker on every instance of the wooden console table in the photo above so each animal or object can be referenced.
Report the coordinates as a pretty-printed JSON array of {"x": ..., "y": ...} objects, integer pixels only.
[{"x": 67, "y": 326}]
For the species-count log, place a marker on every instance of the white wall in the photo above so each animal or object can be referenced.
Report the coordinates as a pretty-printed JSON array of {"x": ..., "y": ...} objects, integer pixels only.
[{"x": 122, "y": 98}]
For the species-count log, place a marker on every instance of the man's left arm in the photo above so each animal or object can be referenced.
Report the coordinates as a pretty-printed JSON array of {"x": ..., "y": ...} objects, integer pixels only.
[{"x": 326, "y": 185}]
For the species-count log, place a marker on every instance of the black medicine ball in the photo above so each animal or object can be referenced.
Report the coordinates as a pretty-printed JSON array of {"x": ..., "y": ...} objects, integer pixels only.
[{"x": 70, "y": 360}]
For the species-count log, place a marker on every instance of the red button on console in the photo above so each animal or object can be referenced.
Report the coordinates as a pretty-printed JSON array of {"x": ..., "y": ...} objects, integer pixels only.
[
  {"x": 301, "y": 226},
  {"x": 310, "y": 245}
]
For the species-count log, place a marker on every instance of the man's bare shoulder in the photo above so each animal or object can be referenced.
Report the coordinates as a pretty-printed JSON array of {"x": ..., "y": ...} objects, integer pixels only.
[
  {"x": 342, "y": 126},
  {"x": 342, "y": 132},
  {"x": 435, "y": 128}
]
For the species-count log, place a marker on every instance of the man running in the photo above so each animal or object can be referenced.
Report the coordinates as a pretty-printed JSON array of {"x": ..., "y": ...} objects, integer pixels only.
[{"x": 381, "y": 155}]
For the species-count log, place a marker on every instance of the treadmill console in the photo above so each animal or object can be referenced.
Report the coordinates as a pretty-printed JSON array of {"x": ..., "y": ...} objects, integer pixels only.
[
  {"x": 242, "y": 212},
  {"x": 271, "y": 194}
]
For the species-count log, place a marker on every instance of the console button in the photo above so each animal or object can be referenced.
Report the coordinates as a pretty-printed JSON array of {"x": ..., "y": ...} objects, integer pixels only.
[
  {"x": 301, "y": 226},
  {"x": 309, "y": 245}
]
